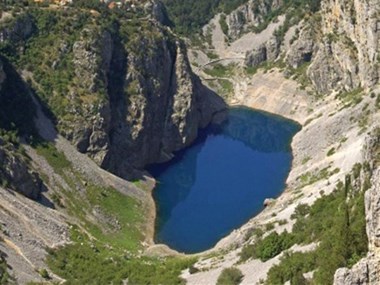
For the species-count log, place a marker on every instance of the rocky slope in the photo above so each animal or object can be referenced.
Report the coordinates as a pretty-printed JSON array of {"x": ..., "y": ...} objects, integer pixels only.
[
  {"x": 122, "y": 92},
  {"x": 367, "y": 270},
  {"x": 321, "y": 69},
  {"x": 119, "y": 88}
]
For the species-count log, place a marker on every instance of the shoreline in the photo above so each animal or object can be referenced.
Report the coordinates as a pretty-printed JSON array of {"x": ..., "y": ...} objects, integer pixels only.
[
  {"x": 309, "y": 147},
  {"x": 163, "y": 249}
]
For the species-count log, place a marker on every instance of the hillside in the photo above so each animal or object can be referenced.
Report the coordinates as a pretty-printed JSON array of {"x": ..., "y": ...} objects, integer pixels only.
[{"x": 90, "y": 96}]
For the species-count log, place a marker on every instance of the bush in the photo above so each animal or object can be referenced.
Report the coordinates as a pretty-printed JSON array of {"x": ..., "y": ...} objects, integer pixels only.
[
  {"x": 44, "y": 273},
  {"x": 230, "y": 276},
  {"x": 337, "y": 223}
]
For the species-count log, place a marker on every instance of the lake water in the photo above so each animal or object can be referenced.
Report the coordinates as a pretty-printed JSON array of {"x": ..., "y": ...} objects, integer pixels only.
[{"x": 221, "y": 181}]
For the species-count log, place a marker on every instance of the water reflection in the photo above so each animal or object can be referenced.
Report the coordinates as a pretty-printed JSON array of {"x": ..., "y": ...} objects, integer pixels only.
[{"x": 221, "y": 181}]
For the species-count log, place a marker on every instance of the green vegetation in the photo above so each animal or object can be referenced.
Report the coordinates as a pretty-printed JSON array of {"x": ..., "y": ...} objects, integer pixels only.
[
  {"x": 305, "y": 160},
  {"x": 44, "y": 273},
  {"x": 335, "y": 221},
  {"x": 4, "y": 275},
  {"x": 331, "y": 151},
  {"x": 223, "y": 24},
  {"x": 310, "y": 178},
  {"x": 107, "y": 251},
  {"x": 351, "y": 98},
  {"x": 299, "y": 74},
  {"x": 265, "y": 66},
  {"x": 86, "y": 262},
  {"x": 269, "y": 247},
  {"x": 190, "y": 16},
  {"x": 230, "y": 276},
  {"x": 220, "y": 70},
  {"x": 55, "y": 158}
]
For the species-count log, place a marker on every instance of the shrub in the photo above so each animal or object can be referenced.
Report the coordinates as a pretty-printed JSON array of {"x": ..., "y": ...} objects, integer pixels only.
[
  {"x": 331, "y": 151},
  {"x": 230, "y": 276},
  {"x": 44, "y": 273}
]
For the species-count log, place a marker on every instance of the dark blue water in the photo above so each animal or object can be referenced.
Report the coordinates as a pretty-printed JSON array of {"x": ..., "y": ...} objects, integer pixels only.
[{"x": 221, "y": 181}]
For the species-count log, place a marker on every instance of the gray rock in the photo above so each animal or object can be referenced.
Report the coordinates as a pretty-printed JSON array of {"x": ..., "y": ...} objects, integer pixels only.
[
  {"x": 249, "y": 15},
  {"x": 273, "y": 48},
  {"x": 14, "y": 169},
  {"x": 151, "y": 105},
  {"x": 301, "y": 50},
  {"x": 325, "y": 72},
  {"x": 350, "y": 46},
  {"x": 256, "y": 57}
]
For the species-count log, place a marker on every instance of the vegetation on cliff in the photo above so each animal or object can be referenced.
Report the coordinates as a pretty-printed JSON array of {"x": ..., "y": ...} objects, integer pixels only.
[{"x": 336, "y": 222}]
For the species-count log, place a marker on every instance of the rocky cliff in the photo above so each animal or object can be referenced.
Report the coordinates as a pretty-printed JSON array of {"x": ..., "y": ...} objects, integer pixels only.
[
  {"x": 15, "y": 116},
  {"x": 250, "y": 16},
  {"x": 339, "y": 41},
  {"x": 348, "y": 52},
  {"x": 123, "y": 92},
  {"x": 153, "y": 103}
]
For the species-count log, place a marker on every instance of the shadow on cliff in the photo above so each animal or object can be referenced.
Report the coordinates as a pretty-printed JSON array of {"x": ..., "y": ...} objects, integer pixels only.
[{"x": 19, "y": 112}]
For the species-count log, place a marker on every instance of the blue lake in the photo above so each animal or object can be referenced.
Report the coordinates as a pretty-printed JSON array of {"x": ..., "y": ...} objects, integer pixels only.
[{"x": 221, "y": 181}]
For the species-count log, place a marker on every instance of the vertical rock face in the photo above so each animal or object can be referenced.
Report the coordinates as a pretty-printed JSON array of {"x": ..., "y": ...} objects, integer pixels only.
[
  {"x": 92, "y": 59},
  {"x": 249, "y": 15},
  {"x": 302, "y": 50},
  {"x": 350, "y": 45},
  {"x": 162, "y": 109},
  {"x": 153, "y": 103},
  {"x": 15, "y": 173}
]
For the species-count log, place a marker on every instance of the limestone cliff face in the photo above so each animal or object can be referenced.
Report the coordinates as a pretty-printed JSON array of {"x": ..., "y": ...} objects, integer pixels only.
[
  {"x": 249, "y": 16},
  {"x": 151, "y": 103},
  {"x": 15, "y": 172},
  {"x": 92, "y": 58},
  {"x": 341, "y": 41},
  {"x": 347, "y": 53}
]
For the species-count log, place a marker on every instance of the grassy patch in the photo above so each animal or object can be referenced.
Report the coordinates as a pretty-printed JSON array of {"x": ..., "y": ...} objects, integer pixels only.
[
  {"x": 310, "y": 178},
  {"x": 230, "y": 276},
  {"x": 306, "y": 160},
  {"x": 337, "y": 222},
  {"x": 86, "y": 262},
  {"x": 331, "y": 151},
  {"x": 351, "y": 98},
  {"x": 55, "y": 158},
  {"x": 219, "y": 70},
  {"x": 4, "y": 274},
  {"x": 125, "y": 211}
]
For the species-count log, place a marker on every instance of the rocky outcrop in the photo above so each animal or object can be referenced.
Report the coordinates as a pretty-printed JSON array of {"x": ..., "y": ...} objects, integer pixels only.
[
  {"x": 157, "y": 11},
  {"x": 366, "y": 272},
  {"x": 15, "y": 173},
  {"x": 268, "y": 51},
  {"x": 249, "y": 15},
  {"x": 92, "y": 59},
  {"x": 20, "y": 29},
  {"x": 256, "y": 57},
  {"x": 350, "y": 46},
  {"x": 302, "y": 50},
  {"x": 146, "y": 102},
  {"x": 164, "y": 106}
]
